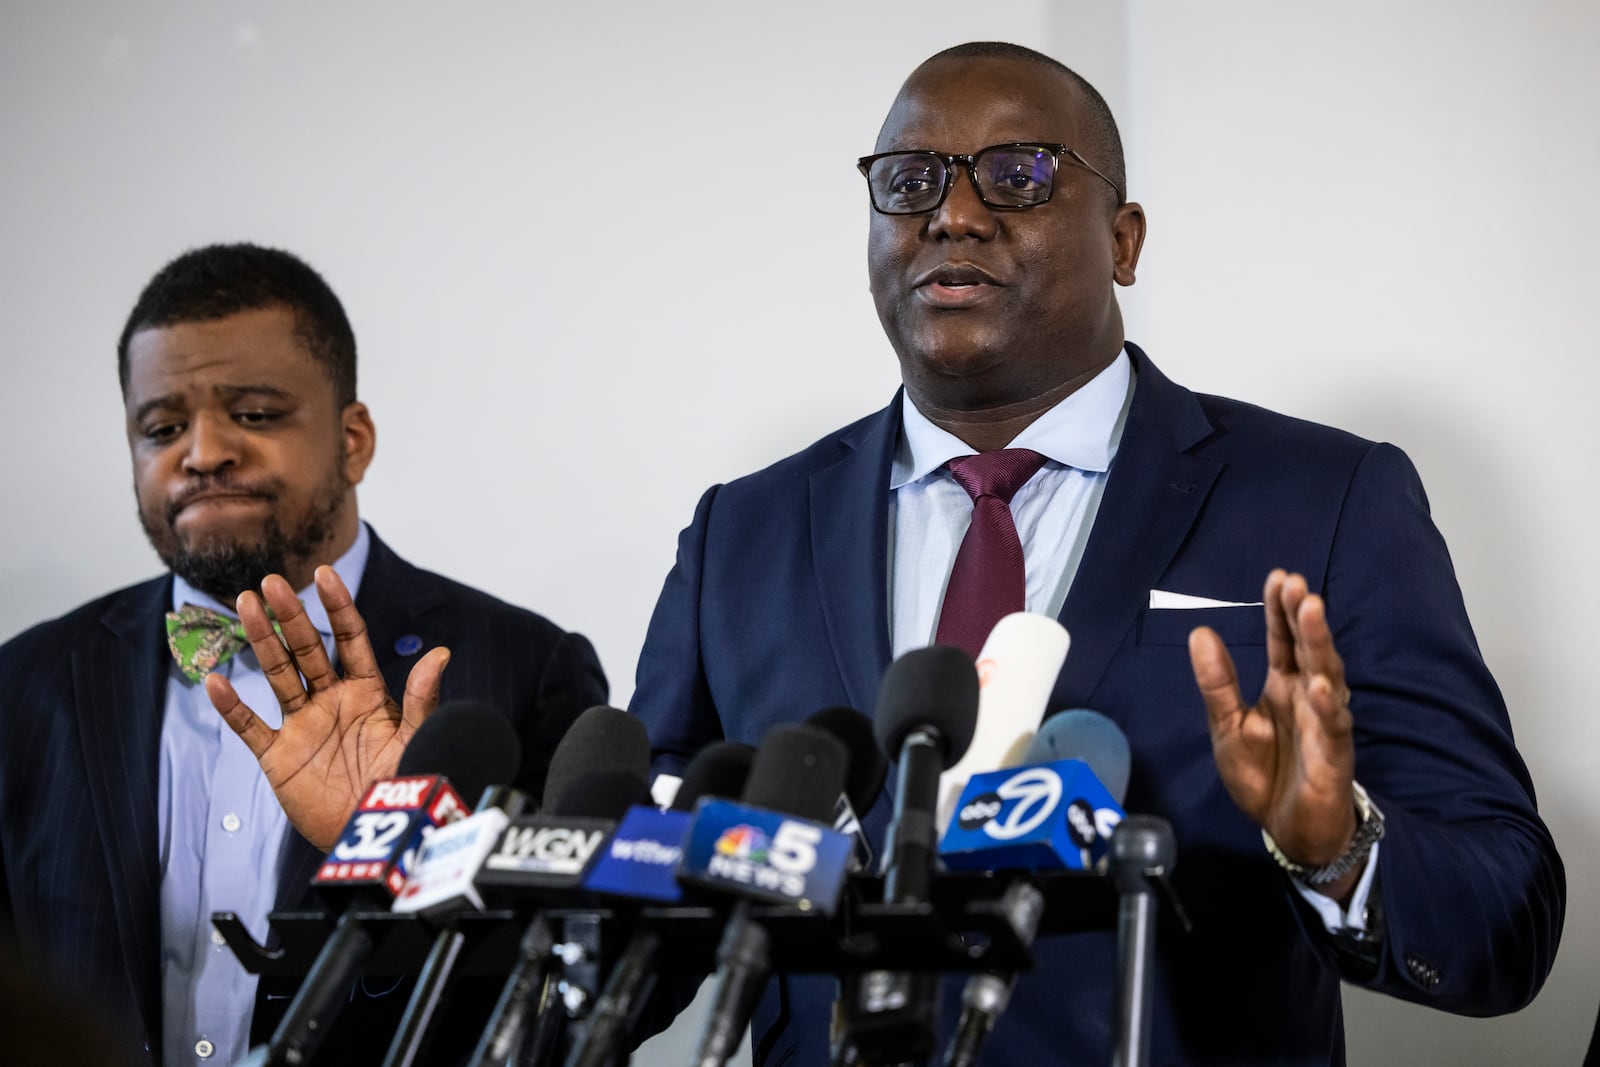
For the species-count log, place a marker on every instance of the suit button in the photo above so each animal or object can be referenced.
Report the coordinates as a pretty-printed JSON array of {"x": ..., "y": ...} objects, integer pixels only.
[
  {"x": 1425, "y": 973},
  {"x": 204, "y": 1049}
]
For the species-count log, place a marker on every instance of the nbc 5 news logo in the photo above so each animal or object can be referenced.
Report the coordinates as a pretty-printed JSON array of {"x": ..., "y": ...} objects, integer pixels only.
[{"x": 778, "y": 863}]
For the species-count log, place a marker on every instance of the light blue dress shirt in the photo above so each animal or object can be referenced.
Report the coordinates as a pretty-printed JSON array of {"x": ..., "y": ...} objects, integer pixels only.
[
  {"x": 1054, "y": 512},
  {"x": 222, "y": 836}
]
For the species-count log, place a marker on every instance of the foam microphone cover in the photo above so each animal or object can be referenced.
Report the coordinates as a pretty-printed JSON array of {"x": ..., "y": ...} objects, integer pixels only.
[
  {"x": 605, "y": 793},
  {"x": 468, "y": 743},
  {"x": 721, "y": 769},
  {"x": 798, "y": 770},
  {"x": 602, "y": 737},
  {"x": 933, "y": 687},
  {"x": 868, "y": 768},
  {"x": 1089, "y": 736}
]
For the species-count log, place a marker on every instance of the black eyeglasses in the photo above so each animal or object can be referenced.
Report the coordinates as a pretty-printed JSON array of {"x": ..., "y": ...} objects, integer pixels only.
[{"x": 1007, "y": 176}]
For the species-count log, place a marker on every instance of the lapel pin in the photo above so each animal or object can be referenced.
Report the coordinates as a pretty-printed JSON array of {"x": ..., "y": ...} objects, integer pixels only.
[{"x": 409, "y": 645}]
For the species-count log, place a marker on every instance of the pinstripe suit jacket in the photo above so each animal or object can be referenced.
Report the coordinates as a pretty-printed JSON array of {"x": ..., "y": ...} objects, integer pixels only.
[{"x": 81, "y": 700}]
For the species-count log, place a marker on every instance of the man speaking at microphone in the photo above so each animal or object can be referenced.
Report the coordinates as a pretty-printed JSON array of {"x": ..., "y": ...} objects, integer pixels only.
[
  {"x": 128, "y": 811},
  {"x": 1214, "y": 563}
]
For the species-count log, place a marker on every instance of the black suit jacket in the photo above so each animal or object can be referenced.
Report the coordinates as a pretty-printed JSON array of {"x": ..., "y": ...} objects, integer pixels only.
[
  {"x": 778, "y": 606},
  {"x": 81, "y": 701}
]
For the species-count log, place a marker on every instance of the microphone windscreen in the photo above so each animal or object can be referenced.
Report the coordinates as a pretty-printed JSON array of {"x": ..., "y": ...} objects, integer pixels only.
[
  {"x": 600, "y": 738},
  {"x": 468, "y": 743},
  {"x": 1089, "y": 736},
  {"x": 798, "y": 770},
  {"x": 868, "y": 768},
  {"x": 600, "y": 794},
  {"x": 933, "y": 687},
  {"x": 718, "y": 770}
]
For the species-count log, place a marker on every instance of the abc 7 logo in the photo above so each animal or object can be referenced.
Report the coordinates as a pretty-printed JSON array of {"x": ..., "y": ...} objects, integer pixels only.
[{"x": 1033, "y": 796}]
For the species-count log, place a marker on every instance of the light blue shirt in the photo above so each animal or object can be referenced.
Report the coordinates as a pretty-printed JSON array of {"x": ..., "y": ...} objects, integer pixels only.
[
  {"x": 1054, "y": 512},
  {"x": 222, "y": 837}
]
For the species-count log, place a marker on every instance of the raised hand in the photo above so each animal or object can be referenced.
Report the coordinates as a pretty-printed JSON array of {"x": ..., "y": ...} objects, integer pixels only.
[
  {"x": 339, "y": 735},
  {"x": 1289, "y": 761}
]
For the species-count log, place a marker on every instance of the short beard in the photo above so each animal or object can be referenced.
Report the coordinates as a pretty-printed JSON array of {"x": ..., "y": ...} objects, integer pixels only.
[{"x": 225, "y": 569}]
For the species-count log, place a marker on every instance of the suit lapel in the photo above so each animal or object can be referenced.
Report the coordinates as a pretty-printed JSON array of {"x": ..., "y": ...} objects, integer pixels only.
[
  {"x": 119, "y": 682},
  {"x": 1151, "y": 501},
  {"x": 849, "y": 545}
]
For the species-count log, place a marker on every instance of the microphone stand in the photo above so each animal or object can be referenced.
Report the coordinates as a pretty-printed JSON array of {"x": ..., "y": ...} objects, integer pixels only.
[{"x": 1142, "y": 849}]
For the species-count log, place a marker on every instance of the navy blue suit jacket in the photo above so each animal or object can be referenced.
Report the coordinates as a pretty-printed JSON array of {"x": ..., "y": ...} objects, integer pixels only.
[
  {"x": 778, "y": 606},
  {"x": 81, "y": 701}
]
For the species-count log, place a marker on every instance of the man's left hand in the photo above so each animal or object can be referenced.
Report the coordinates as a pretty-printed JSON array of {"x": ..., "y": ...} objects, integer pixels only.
[
  {"x": 1289, "y": 761},
  {"x": 339, "y": 735}
]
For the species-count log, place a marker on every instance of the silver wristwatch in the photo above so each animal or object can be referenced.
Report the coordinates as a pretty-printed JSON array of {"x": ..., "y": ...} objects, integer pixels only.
[{"x": 1369, "y": 831}]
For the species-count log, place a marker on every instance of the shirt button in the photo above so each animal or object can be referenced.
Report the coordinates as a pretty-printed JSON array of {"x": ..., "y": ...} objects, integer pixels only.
[
  {"x": 217, "y": 938},
  {"x": 231, "y": 823},
  {"x": 204, "y": 1049}
]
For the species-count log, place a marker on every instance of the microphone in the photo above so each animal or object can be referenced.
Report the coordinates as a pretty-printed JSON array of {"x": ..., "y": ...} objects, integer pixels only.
[
  {"x": 868, "y": 769},
  {"x": 1036, "y": 816},
  {"x": 602, "y": 737},
  {"x": 1017, "y": 671},
  {"x": 640, "y": 864},
  {"x": 598, "y": 770},
  {"x": 461, "y": 742},
  {"x": 773, "y": 846},
  {"x": 440, "y": 888},
  {"x": 927, "y": 712},
  {"x": 1054, "y": 812}
]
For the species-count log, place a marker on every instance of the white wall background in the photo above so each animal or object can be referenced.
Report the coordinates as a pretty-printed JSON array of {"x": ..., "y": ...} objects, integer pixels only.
[{"x": 1378, "y": 215}]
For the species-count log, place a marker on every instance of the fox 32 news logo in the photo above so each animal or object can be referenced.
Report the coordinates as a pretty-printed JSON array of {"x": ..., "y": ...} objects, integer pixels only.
[{"x": 1024, "y": 804}]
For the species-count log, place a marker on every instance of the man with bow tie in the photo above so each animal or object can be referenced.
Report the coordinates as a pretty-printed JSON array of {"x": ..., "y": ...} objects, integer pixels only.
[{"x": 131, "y": 811}]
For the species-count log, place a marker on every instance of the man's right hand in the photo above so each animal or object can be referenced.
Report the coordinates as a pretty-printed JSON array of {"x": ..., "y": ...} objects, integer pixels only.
[{"x": 339, "y": 735}]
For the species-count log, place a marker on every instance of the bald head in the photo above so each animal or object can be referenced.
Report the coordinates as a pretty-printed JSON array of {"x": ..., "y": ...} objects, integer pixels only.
[{"x": 1100, "y": 143}]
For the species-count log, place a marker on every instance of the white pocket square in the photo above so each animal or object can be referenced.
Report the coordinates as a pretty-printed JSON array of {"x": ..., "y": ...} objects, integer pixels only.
[{"x": 1160, "y": 598}]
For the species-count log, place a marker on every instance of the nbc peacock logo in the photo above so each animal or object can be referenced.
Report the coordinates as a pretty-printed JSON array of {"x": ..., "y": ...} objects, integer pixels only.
[{"x": 743, "y": 842}]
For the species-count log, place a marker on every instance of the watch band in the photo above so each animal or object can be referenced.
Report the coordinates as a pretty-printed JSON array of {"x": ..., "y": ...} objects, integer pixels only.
[{"x": 1369, "y": 831}]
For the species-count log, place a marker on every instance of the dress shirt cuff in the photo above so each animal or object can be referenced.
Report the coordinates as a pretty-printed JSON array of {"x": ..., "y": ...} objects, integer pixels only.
[{"x": 1351, "y": 919}]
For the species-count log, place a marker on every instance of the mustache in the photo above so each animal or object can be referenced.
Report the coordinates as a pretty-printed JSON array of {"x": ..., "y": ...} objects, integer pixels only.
[{"x": 220, "y": 485}]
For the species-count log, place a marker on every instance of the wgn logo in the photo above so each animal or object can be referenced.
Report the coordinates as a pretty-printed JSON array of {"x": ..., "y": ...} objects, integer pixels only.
[
  {"x": 744, "y": 854},
  {"x": 545, "y": 849}
]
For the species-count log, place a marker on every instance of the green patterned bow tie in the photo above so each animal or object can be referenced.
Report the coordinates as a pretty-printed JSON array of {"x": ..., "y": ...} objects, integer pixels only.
[{"x": 202, "y": 640}]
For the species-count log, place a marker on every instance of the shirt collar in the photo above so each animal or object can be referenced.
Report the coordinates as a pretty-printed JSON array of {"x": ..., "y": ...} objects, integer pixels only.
[
  {"x": 349, "y": 567},
  {"x": 1082, "y": 431}
]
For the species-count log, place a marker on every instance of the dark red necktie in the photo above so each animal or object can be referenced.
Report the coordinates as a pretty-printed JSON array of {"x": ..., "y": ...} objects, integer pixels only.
[{"x": 987, "y": 582}]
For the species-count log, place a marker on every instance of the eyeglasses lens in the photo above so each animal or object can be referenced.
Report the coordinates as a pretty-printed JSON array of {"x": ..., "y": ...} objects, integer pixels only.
[
  {"x": 1015, "y": 177},
  {"x": 907, "y": 182}
]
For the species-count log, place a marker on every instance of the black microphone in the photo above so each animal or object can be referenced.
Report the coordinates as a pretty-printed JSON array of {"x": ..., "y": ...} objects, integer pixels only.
[
  {"x": 602, "y": 737},
  {"x": 868, "y": 769},
  {"x": 599, "y": 769},
  {"x": 718, "y": 770},
  {"x": 797, "y": 776},
  {"x": 927, "y": 712},
  {"x": 606, "y": 795},
  {"x": 441, "y": 888},
  {"x": 463, "y": 743},
  {"x": 1079, "y": 734}
]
